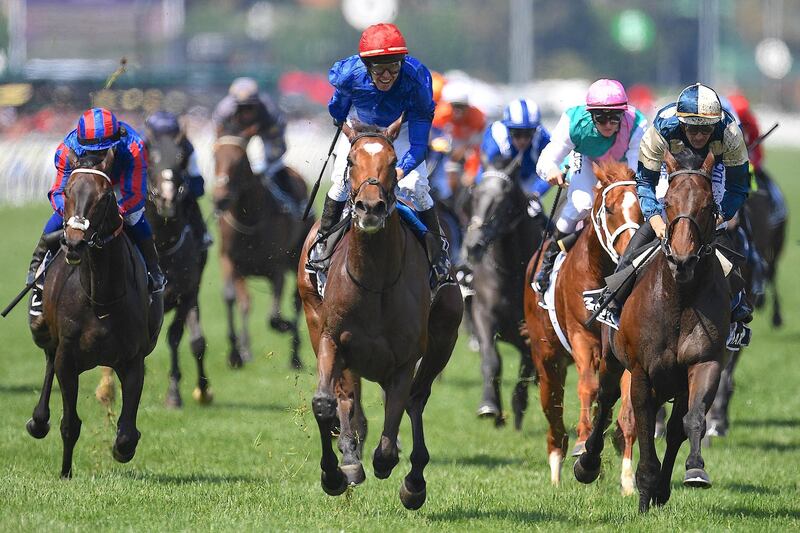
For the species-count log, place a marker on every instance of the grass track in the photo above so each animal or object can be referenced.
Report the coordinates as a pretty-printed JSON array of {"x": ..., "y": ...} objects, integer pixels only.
[{"x": 250, "y": 461}]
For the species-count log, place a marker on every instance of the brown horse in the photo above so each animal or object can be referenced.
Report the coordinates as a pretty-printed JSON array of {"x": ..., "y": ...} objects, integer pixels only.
[
  {"x": 258, "y": 238},
  {"x": 672, "y": 337},
  {"x": 377, "y": 321},
  {"x": 614, "y": 218},
  {"x": 97, "y": 310}
]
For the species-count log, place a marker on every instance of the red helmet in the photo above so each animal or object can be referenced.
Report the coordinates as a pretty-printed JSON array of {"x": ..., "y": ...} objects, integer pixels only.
[{"x": 381, "y": 40}]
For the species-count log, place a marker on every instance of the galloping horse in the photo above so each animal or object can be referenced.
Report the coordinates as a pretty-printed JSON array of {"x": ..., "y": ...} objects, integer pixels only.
[
  {"x": 672, "y": 337},
  {"x": 377, "y": 321},
  {"x": 614, "y": 218},
  {"x": 181, "y": 258},
  {"x": 258, "y": 238},
  {"x": 501, "y": 237},
  {"x": 97, "y": 310}
]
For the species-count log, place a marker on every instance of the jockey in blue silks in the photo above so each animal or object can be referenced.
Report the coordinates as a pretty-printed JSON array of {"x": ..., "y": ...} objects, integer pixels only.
[
  {"x": 375, "y": 87},
  {"x": 696, "y": 122},
  {"x": 98, "y": 131}
]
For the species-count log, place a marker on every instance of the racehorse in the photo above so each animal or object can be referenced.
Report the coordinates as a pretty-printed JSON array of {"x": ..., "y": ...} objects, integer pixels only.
[
  {"x": 376, "y": 321},
  {"x": 672, "y": 336},
  {"x": 97, "y": 309},
  {"x": 180, "y": 255},
  {"x": 501, "y": 237},
  {"x": 614, "y": 218},
  {"x": 258, "y": 237}
]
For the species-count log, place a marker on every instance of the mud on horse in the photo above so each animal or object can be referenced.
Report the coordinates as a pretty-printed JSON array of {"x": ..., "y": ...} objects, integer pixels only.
[
  {"x": 378, "y": 322},
  {"x": 97, "y": 310},
  {"x": 672, "y": 337},
  {"x": 614, "y": 217}
]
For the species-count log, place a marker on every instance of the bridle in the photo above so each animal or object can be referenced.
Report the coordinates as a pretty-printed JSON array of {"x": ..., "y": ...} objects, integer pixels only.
[
  {"x": 705, "y": 248},
  {"x": 83, "y": 224},
  {"x": 600, "y": 223},
  {"x": 388, "y": 196},
  {"x": 489, "y": 227}
]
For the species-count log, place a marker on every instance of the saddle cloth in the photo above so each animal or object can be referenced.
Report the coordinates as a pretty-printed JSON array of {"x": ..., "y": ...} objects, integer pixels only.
[{"x": 548, "y": 302}]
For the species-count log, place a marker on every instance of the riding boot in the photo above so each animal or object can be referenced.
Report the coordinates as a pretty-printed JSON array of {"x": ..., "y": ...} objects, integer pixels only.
[
  {"x": 436, "y": 246},
  {"x": 196, "y": 222},
  {"x": 542, "y": 281},
  {"x": 331, "y": 213},
  {"x": 46, "y": 242},
  {"x": 157, "y": 281}
]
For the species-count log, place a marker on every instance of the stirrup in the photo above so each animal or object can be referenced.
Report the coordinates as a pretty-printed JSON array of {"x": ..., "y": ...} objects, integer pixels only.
[{"x": 738, "y": 337}]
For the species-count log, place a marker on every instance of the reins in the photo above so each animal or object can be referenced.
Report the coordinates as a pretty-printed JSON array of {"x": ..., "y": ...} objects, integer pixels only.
[{"x": 600, "y": 223}]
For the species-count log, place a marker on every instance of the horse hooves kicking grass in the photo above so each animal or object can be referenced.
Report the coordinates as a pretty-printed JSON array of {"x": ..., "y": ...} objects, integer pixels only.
[
  {"x": 412, "y": 500},
  {"x": 37, "y": 430},
  {"x": 585, "y": 473},
  {"x": 697, "y": 477},
  {"x": 336, "y": 486},
  {"x": 354, "y": 473}
]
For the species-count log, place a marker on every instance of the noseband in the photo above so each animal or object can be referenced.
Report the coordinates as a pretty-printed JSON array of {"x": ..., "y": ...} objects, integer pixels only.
[
  {"x": 600, "y": 223},
  {"x": 705, "y": 248}
]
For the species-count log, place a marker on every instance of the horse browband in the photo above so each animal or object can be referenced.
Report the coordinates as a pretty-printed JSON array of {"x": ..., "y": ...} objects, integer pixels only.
[{"x": 685, "y": 171}]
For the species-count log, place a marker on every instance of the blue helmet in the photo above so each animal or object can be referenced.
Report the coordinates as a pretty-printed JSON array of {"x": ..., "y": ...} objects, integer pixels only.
[
  {"x": 98, "y": 129},
  {"x": 163, "y": 123},
  {"x": 522, "y": 114},
  {"x": 699, "y": 105}
]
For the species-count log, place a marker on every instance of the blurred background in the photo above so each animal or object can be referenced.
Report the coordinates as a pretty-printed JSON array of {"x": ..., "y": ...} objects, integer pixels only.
[{"x": 57, "y": 55}]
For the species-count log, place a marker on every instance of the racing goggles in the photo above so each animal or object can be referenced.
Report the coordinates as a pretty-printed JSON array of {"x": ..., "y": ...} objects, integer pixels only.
[
  {"x": 379, "y": 69},
  {"x": 606, "y": 117},
  {"x": 696, "y": 129},
  {"x": 522, "y": 133}
]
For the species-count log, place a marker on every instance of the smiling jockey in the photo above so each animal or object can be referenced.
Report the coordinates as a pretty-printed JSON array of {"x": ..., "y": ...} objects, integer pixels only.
[
  {"x": 696, "y": 122},
  {"x": 98, "y": 131},
  {"x": 375, "y": 87},
  {"x": 606, "y": 128}
]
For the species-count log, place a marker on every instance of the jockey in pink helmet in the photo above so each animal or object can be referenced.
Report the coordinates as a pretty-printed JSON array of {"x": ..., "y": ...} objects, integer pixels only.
[{"x": 606, "y": 127}]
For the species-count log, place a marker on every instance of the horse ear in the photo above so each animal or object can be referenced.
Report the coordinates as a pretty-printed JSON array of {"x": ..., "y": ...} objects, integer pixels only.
[
  {"x": 108, "y": 161},
  {"x": 600, "y": 173},
  {"x": 72, "y": 157},
  {"x": 394, "y": 128},
  {"x": 670, "y": 161},
  {"x": 708, "y": 164},
  {"x": 348, "y": 131}
]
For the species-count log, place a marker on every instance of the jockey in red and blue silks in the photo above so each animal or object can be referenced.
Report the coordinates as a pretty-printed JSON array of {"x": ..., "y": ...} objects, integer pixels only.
[
  {"x": 375, "y": 87},
  {"x": 98, "y": 131}
]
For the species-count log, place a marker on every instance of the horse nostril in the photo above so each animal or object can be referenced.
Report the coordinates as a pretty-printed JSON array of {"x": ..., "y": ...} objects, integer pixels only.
[
  {"x": 360, "y": 206},
  {"x": 379, "y": 209}
]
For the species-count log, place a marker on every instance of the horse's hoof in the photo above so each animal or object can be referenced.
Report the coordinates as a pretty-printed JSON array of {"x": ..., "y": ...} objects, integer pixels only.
[
  {"x": 173, "y": 400},
  {"x": 518, "y": 421},
  {"x": 37, "y": 430},
  {"x": 296, "y": 363},
  {"x": 121, "y": 457},
  {"x": 66, "y": 474},
  {"x": 124, "y": 451},
  {"x": 579, "y": 449},
  {"x": 777, "y": 321},
  {"x": 280, "y": 325},
  {"x": 697, "y": 477},
  {"x": 487, "y": 410},
  {"x": 412, "y": 500},
  {"x": 203, "y": 396},
  {"x": 354, "y": 473},
  {"x": 335, "y": 486},
  {"x": 235, "y": 359},
  {"x": 583, "y": 473}
]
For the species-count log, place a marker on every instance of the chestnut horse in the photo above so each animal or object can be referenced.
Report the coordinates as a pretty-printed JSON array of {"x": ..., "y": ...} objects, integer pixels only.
[
  {"x": 257, "y": 238},
  {"x": 97, "y": 310},
  {"x": 377, "y": 321},
  {"x": 614, "y": 218},
  {"x": 672, "y": 335}
]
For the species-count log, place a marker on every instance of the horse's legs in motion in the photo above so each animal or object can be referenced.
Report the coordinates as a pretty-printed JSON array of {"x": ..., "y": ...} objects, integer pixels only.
[
  {"x": 352, "y": 426},
  {"x": 297, "y": 363},
  {"x": 229, "y": 296},
  {"x": 397, "y": 390},
  {"x": 675, "y": 437},
  {"x": 39, "y": 424},
  {"x": 519, "y": 398},
  {"x": 243, "y": 299},
  {"x": 491, "y": 367},
  {"x": 644, "y": 410},
  {"x": 627, "y": 429},
  {"x": 323, "y": 404},
  {"x": 197, "y": 343},
  {"x": 131, "y": 376},
  {"x": 703, "y": 382},
  {"x": 70, "y": 423},
  {"x": 174, "y": 335},
  {"x": 717, "y": 417},
  {"x": 552, "y": 371},
  {"x": 585, "y": 352}
]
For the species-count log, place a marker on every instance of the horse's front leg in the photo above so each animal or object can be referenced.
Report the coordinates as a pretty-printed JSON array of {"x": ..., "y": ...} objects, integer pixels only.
[
  {"x": 352, "y": 429},
  {"x": 644, "y": 410},
  {"x": 703, "y": 383},
  {"x": 491, "y": 405},
  {"x": 197, "y": 343},
  {"x": 329, "y": 369},
  {"x": 675, "y": 437},
  {"x": 627, "y": 429},
  {"x": 67, "y": 376},
  {"x": 397, "y": 389},
  {"x": 276, "y": 320},
  {"x": 585, "y": 351},
  {"x": 39, "y": 424},
  {"x": 174, "y": 335},
  {"x": 297, "y": 363},
  {"x": 243, "y": 299},
  {"x": 131, "y": 376},
  {"x": 229, "y": 297},
  {"x": 519, "y": 398},
  {"x": 717, "y": 417}
]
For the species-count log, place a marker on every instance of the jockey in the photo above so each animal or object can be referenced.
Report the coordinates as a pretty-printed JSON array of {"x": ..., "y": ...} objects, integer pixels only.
[
  {"x": 97, "y": 132},
  {"x": 520, "y": 130},
  {"x": 696, "y": 122},
  {"x": 375, "y": 87},
  {"x": 166, "y": 123},
  {"x": 749, "y": 125},
  {"x": 457, "y": 128},
  {"x": 605, "y": 128}
]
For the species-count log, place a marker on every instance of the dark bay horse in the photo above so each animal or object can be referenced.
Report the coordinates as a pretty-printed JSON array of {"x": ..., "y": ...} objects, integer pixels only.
[
  {"x": 614, "y": 218},
  {"x": 97, "y": 310},
  {"x": 257, "y": 238},
  {"x": 501, "y": 238},
  {"x": 672, "y": 336},
  {"x": 378, "y": 322},
  {"x": 181, "y": 256}
]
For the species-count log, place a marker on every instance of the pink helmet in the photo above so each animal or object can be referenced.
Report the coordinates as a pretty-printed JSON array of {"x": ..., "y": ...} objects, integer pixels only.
[{"x": 606, "y": 94}]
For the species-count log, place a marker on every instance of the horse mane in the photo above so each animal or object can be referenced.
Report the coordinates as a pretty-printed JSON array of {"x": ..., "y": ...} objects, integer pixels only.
[
  {"x": 91, "y": 159},
  {"x": 616, "y": 170},
  {"x": 689, "y": 159}
]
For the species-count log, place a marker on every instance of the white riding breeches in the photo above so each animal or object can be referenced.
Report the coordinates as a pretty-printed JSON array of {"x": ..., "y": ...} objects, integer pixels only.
[
  {"x": 580, "y": 193},
  {"x": 413, "y": 187}
]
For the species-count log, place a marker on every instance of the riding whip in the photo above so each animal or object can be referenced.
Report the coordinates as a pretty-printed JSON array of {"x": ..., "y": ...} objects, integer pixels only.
[
  {"x": 28, "y": 286},
  {"x": 321, "y": 172},
  {"x": 547, "y": 229},
  {"x": 760, "y": 138}
]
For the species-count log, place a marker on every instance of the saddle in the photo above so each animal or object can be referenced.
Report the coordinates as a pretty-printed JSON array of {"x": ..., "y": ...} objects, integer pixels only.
[{"x": 286, "y": 192}]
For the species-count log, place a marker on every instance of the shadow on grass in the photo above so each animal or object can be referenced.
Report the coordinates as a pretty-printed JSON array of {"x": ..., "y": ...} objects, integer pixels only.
[
  {"x": 768, "y": 422},
  {"x": 761, "y": 514},
  {"x": 517, "y": 515},
  {"x": 480, "y": 459},
  {"x": 770, "y": 445},
  {"x": 20, "y": 389},
  {"x": 249, "y": 406},
  {"x": 188, "y": 479},
  {"x": 748, "y": 488}
]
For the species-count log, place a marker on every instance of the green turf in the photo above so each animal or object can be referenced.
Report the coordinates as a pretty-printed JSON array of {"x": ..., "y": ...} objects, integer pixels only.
[{"x": 250, "y": 461}]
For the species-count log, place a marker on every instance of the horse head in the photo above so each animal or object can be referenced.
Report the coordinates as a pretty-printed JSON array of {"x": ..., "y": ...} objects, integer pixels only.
[
  {"x": 371, "y": 165},
  {"x": 232, "y": 172},
  {"x": 691, "y": 212},
  {"x": 90, "y": 206},
  {"x": 497, "y": 201},
  {"x": 616, "y": 214},
  {"x": 167, "y": 161}
]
